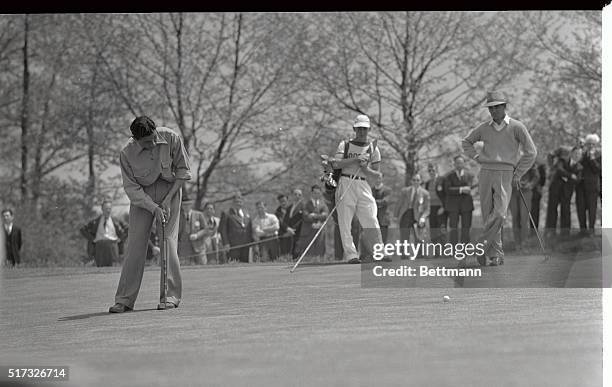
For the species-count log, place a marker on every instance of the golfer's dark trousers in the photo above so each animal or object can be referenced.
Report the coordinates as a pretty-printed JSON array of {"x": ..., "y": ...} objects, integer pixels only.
[{"x": 559, "y": 194}]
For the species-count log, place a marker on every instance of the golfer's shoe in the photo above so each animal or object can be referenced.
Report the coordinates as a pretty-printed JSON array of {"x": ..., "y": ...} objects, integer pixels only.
[
  {"x": 119, "y": 308},
  {"x": 496, "y": 261},
  {"x": 482, "y": 260},
  {"x": 354, "y": 260},
  {"x": 169, "y": 305}
]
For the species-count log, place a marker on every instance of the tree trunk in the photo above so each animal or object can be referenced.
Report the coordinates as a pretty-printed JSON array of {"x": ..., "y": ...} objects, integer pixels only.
[
  {"x": 25, "y": 111},
  {"x": 410, "y": 162}
]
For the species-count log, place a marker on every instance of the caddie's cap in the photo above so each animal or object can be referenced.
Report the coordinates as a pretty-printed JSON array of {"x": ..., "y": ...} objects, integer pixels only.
[
  {"x": 361, "y": 121},
  {"x": 495, "y": 98},
  {"x": 592, "y": 138}
]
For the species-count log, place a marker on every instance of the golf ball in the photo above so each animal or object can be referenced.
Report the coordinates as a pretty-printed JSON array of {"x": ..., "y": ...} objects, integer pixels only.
[{"x": 446, "y": 298}]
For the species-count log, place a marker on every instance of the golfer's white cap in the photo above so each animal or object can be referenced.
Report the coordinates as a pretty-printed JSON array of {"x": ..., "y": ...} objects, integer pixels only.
[{"x": 361, "y": 121}]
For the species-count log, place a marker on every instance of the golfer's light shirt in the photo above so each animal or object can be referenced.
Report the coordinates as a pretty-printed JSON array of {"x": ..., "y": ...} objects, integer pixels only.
[
  {"x": 354, "y": 151},
  {"x": 267, "y": 222},
  {"x": 503, "y": 124},
  {"x": 141, "y": 167}
]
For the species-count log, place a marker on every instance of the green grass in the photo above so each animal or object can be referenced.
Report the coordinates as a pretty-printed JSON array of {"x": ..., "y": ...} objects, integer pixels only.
[{"x": 259, "y": 325}]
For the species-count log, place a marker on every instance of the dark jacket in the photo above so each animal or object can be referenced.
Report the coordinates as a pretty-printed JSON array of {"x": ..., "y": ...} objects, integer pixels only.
[
  {"x": 90, "y": 229},
  {"x": 234, "y": 229},
  {"x": 13, "y": 243},
  {"x": 380, "y": 195},
  {"x": 592, "y": 171},
  {"x": 454, "y": 200}
]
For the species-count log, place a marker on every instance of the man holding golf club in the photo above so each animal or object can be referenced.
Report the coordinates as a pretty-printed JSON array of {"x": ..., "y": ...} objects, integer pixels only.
[
  {"x": 501, "y": 168},
  {"x": 154, "y": 166},
  {"x": 354, "y": 194}
]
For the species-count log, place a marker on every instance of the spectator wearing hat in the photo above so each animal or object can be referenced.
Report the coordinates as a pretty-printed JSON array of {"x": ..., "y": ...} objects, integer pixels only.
[
  {"x": 501, "y": 168},
  {"x": 591, "y": 161},
  {"x": 192, "y": 233},
  {"x": 236, "y": 231}
]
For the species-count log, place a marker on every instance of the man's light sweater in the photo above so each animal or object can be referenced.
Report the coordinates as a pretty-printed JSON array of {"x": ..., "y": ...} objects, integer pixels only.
[{"x": 501, "y": 148}]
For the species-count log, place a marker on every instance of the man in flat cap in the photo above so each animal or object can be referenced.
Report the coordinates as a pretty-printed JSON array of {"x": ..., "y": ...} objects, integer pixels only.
[{"x": 501, "y": 168}]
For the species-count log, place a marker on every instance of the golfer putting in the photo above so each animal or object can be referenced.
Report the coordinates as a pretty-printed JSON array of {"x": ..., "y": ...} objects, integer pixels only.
[
  {"x": 154, "y": 166},
  {"x": 501, "y": 168}
]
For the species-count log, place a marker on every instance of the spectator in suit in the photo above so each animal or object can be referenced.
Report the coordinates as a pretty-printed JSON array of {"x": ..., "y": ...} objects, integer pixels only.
[
  {"x": 536, "y": 196},
  {"x": 12, "y": 237},
  {"x": 315, "y": 212},
  {"x": 265, "y": 229},
  {"x": 105, "y": 236},
  {"x": 294, "y": 219},
  {"x": 437, "y": 197},
  {"x": 235, "y": 228},
  {"x": 412, "y": 209},
  {"x": 212, "y": 238},
  {"x": 192, "y": 231},
  {"x": 459, "y": 202},
  {"x": 591, "y": 161},
  {"x": 520, "y": 213},
  {"x": 285, "y": 238},
  {"x": 381, "y": 193},
  {"x": 560, "y": 191}
]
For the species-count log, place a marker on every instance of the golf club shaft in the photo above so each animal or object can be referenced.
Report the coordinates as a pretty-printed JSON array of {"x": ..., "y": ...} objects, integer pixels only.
[
  {"x": 535, "y": 228},
  {"x": 323, "y": 226}
]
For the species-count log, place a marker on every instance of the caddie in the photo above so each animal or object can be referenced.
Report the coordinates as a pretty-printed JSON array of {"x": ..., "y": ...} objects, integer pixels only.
[{"x": 354, "y": 197}]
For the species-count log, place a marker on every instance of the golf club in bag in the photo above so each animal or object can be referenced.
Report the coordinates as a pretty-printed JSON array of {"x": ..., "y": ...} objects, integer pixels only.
[{"x": 163, "y": 263}]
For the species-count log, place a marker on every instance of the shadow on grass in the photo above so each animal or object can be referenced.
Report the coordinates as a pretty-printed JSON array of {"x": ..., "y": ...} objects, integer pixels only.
[{"x": 99, "y": 314}]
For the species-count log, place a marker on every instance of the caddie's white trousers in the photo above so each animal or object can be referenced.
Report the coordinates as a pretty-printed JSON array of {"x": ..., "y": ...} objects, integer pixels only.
[{"x": 359, "y": 201}]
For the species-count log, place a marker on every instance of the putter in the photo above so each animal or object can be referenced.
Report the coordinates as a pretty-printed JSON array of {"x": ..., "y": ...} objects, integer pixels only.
[
  {"x": 546, "y": 256},
  {"x": 163, "y": 289},
  {"x": 374, "y": 145}
]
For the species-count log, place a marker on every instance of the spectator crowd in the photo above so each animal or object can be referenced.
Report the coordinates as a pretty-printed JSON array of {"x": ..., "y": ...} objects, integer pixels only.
[{"x": 438, "y": 209}]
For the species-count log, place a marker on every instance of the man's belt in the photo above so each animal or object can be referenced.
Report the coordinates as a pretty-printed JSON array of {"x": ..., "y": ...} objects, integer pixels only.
[{"x": 351, "y": 176}]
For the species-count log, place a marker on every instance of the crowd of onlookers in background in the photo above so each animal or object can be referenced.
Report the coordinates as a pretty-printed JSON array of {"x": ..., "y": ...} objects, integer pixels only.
[{"x": 438, "y": 209}]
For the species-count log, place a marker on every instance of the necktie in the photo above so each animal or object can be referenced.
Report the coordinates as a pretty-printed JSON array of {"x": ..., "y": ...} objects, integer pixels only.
[{"x": 414, "y": 200}]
